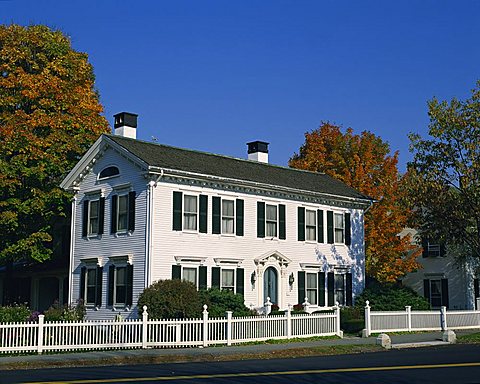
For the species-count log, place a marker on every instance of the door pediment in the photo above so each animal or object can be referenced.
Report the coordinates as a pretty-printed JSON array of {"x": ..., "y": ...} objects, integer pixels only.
[{"x": 273, "y": 256}]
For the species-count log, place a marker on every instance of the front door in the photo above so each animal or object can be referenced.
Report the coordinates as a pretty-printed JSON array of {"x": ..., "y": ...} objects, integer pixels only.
[{"x": 270, "y": 285}]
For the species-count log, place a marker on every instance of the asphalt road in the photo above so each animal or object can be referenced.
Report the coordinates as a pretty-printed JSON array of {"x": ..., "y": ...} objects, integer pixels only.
[{"x": 447, "y": 364}]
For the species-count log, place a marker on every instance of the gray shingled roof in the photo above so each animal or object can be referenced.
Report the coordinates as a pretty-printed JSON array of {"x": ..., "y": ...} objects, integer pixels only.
[{"x": 163, "y": 156}]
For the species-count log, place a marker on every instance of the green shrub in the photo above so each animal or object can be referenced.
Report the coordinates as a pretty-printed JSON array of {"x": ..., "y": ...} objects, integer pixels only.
[
  {"x": 171, "y": 299},
  {"x": 14, "y": 314},
  {"x": 352, "y": 319},
  {"x": 59, "y": 312},
  {"x": 391, "y": 297},
  {"x": 221, "y": 301}
]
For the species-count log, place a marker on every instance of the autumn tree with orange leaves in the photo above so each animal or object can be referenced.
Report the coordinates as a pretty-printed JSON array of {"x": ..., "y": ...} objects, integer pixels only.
[
  {"x": 364, "y": 162},
  {"x": 50, "y": 115}
]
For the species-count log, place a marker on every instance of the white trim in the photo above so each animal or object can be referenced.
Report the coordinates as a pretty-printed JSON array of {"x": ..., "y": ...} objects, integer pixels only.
[
  {"x": 119, "y": 187},
  {"x": 220, "y": 261},
  {"x": 190, "y": 259},
  {"x": 275, "y": 254},
  {"x": 123, "y": 259},
  {"x": 92, "y": 261}
]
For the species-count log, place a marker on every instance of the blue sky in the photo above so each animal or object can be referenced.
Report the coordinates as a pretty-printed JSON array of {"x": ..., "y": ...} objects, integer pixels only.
[{"x": 212, "y": 75}]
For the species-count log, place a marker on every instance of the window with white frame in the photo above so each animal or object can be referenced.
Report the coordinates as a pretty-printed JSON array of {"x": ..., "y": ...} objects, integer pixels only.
[
  {"x": 436, "y": 293},
  {"x": 120, "y": 293},
  {"x": 228, "y": 216},
  {"x": 122, "y": 213},
  {"x": 190, "y": 212},
  {"x": 310, "y": 225},
  {"x": 311, "y": 287},
  {"x": 227, "y": 279},
  {"x": 340, "y": 288},
  {"x": 271, "y": 220},
  {"x": 91, "y": 286},
  {"x": 190, "y": 274},
  {"x": 339, "y": 228},
  {"x": 93, "y": 216}
]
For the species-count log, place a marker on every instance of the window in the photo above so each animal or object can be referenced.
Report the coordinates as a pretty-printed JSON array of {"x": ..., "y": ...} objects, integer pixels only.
[
  {"x": 91, "y": 285},
  {"x": 436, "y": 292},
  {"x": 271, "y": 221},
  {"x": 312, "y": 288},
  {"x": 190, "y": 274},
  {"x": 340, "y": 289},
  {"x": 108, "y": 172},
  {"x": 120, "y": 281},
  {"x": 311, "y": 225},
  {"x": 123, "y": 212},
  {"x": 228, "y": 216},
  {"x": 191, "y": 271},
  {"x": 339, "y": 228},
  {"x": 190, "y": 213},
  {"x": 432, "y": 248},
  {"x": 93, "y": 216},
  {"x": 228, "y": 279}
]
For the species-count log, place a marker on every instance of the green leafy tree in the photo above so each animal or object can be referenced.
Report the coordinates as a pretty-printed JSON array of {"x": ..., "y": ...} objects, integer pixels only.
[
  {"x": 444, "y": 181},
  {"x": 50, "y": 115}
]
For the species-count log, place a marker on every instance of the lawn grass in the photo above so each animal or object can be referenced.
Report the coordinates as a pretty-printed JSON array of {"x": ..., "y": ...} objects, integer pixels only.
[{"x": 471, "y": 338}]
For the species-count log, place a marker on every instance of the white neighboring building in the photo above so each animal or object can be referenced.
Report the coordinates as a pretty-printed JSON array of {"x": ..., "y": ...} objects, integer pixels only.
[
  {"x": 144, "y": 211},
  {"x": 442, "y": 280}
]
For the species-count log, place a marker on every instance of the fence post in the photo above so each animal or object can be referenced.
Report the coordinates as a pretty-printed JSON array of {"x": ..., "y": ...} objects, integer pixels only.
[
  {"x": 41, "y": 319},
  {"x": 205, "y": 326},
  {"x": 289, "y": 321},
  {"x": 268, "y": 306},
  {"x": 368, "y": 324},
  {"x": 477, "y": 302},
  {"x": 229, "y": 327},
  {"x": 144, "y": 327},
  {"x": 408, "y": 308},
  {"x": 338, "y": 331},
  {"x": 443, "y": 318}
]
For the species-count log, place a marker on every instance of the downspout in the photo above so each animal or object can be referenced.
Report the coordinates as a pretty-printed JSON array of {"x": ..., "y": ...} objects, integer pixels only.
[
  {"x": 149, "y": 230},
  {"x": 72, "y": 248}
]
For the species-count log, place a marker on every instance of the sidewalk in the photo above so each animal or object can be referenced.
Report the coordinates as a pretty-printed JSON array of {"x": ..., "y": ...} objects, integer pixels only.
[{"x": 183, "y": 354}]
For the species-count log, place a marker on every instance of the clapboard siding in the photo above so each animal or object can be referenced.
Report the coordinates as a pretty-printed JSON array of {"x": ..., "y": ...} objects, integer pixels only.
[{"x": 108, "y": 244}]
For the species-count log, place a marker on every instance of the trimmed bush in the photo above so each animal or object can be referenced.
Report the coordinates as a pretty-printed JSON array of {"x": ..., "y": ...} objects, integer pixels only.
[
  {"x": 14, "y": 314},
  {"x": 352, "y": 319},
  {"x": 221, "y": 301},
  {"x": 171, "y": 299},
  {"x": 59, "y": 312},
  {"x": 391, "y": 297}
]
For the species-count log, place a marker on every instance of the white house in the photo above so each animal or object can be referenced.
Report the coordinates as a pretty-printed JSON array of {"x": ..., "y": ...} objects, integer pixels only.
[
  {"x": 144, "y": 211},
  {"x": 443, "y": 279}
]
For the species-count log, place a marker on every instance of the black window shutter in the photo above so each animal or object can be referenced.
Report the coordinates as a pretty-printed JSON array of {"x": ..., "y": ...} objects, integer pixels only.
[
  {"x": 85, "y": 218},
  {"x": 216, "y": 277},
  {"x": 476, "y": 288},
  {"x": 349, "y": 289},
  {"x": 202, "y": 277},
  {"x": 176, "y": 272},
  {"x": 445, "y": 292},
  {"x": 98, "y": 299},
  {"x": 260, "y": 219},
  {"x": 83, "y": 272},
  {"x": 426, "y": 290},
  {"x": 101, "y": 216},
  {"x": 320, "y": 236},
  {"x": 321, "y": 289},
  {"x": 202, "y": 226},
  {"x": 301, "y": 287},
  {"x": 424, "y": 247},
  {"x": 331, "y": 288},
  {"x": 111, "y": 283},
  {"x": 129, "y": 292},
  {"x": 301, "y": 224},
  {"x": 240, "y": 281},
  {"x": 113, "y": 212},
  {"x": 348, "y": 229},
  {"x": 216, "y": 214},
  {"x": 282, "y": 228},
  {"x": 131, "y": 210},
  {"x": 177, "y": 211},
  {"x": 330, "y": 237},
  {"x": 239, "y": 217}
]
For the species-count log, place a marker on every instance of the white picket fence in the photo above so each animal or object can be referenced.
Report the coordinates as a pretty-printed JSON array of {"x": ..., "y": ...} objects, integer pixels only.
[
  {"x": 408, "y": 320},
  {"x": 147, "y": 333}
]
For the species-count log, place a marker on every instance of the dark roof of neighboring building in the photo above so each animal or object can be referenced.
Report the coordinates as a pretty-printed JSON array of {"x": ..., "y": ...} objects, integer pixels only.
[{"x": 164, "y": 156}]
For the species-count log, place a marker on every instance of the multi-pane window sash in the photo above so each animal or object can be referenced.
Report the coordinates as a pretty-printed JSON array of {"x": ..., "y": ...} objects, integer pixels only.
[
  {"x": 228, "y": 216},
  {"x": 311, "y": 225},
  {"x": 120, "y": 285},
  {"x": 340, "y": 288},
  {"x": 312, "y": 288},
  {"x": 91, "y": 286},
  {"x": 271, "y": 221},
  {"x": 190, "y": 212},
  {"x": 339, "y": 228},
  {"x": 93, "y": 216},
  {"x": 190, "y": 274},
  {"x": 436, "y": 293},
  {"x": 122, "y": 223},
  {"x": 228, "y": 279}
]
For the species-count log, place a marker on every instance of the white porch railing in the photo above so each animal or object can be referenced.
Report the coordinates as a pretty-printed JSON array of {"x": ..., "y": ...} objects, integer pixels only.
[
  {"x": 175, "y": 333},
  {"x": 408, "y": 320}
]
